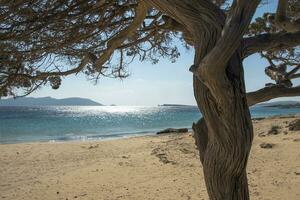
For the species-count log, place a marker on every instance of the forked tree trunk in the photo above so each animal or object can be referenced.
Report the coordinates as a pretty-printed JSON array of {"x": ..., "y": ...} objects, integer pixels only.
[
  {"x": 225, "y": 133},
  {"x": 224, "y": 136}
]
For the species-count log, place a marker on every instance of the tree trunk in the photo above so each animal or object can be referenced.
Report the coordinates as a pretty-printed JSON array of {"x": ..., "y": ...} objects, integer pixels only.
[{"x": 224, "y": 137}]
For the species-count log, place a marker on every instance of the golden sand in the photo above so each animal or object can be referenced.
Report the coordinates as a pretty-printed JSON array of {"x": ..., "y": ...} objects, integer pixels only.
[{"x": 164, "y": 167}]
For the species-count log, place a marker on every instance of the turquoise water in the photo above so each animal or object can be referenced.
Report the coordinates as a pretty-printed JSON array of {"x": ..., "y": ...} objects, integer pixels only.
[{"x": 63, "y": 123}]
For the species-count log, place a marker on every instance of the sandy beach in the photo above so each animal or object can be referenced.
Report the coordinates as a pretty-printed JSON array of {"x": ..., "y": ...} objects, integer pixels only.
[{"x": 164, "y": 167}]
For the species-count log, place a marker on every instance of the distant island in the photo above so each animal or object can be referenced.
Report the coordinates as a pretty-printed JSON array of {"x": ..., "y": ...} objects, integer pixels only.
[
  {"x": 297, "y": 105},
  {"x": 282, "y": 104},
  {"x": 48, "y": 101}
]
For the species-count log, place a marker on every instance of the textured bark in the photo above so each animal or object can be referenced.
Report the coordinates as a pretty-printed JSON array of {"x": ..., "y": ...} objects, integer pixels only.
[
  {"x": 229, "y": 141},
  {"x": 201, "y": 137},
  {"x": 225, "y": 134}
]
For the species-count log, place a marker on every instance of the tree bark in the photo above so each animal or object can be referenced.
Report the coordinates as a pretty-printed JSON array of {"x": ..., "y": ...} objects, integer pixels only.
[
  {"x": 224, "y": 140},
  {"x": 224, "y": 135},
  {"x": 201, "y": 137}
]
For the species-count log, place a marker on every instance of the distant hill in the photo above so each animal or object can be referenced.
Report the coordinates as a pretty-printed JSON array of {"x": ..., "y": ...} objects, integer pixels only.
[
  {"x": 282, "y": 104},
  {"x": 48, "y": 101}
]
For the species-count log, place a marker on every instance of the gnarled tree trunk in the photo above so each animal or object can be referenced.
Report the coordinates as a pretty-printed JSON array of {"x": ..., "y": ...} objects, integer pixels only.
[
  {"x": 224, "y": 139},
  {"x": 224, "y": 135}
]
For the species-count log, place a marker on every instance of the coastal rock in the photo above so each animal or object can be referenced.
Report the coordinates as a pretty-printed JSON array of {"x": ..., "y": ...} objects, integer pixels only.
[
  {"x": 258, "y": 118},
  {"x": 266, "y": 145},
  {"x": 93, "y": 146},
  {"x": 262, "y": 134},
  {"x": 273, "y": 132},
  {"x": 173, "y": 130},
  {"x": 294, "y": 125}
]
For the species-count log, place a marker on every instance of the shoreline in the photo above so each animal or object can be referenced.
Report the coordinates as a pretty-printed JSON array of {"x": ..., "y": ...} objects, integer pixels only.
[
  {"x": 121, "y": 136},
  {"x": 79, "y": 141},
  {"x": 160, "y": 167},
  {"x": 124, "y": 137}
]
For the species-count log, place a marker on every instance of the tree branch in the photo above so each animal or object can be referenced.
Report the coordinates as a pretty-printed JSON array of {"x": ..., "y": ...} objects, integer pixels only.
[
  {"x": 292, "y": 73},
  {"x": 294, "y": 76},
  {"x": 268, "y": 93},
  {"x": 140, "y": 14},
  {"x": 270, "y": 42}
]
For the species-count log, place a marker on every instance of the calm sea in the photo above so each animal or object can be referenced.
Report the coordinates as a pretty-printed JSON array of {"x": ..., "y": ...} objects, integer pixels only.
[{"x": 63, "y": 123}]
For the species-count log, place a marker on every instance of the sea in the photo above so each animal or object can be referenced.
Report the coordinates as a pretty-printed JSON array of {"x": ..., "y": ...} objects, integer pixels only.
[{"x": 84, "y": 123}]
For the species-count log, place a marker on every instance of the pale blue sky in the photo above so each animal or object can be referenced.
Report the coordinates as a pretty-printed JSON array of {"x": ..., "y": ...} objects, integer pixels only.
[{"x": 150, "y": 85}]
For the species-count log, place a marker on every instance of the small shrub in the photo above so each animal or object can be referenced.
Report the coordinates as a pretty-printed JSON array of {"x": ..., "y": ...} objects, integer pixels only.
[{"x": 274, "y": 130}]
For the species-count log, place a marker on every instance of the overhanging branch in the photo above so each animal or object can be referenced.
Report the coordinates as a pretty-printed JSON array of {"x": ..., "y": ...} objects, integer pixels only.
[
  {"x": 268, "y": 93},
  {"x": 112, "y": 45},
  {"x": 270, "y": 42}
]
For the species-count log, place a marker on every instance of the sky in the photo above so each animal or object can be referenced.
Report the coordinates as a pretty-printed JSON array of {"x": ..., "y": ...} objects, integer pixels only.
[{"x": 162, "y": 83}]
